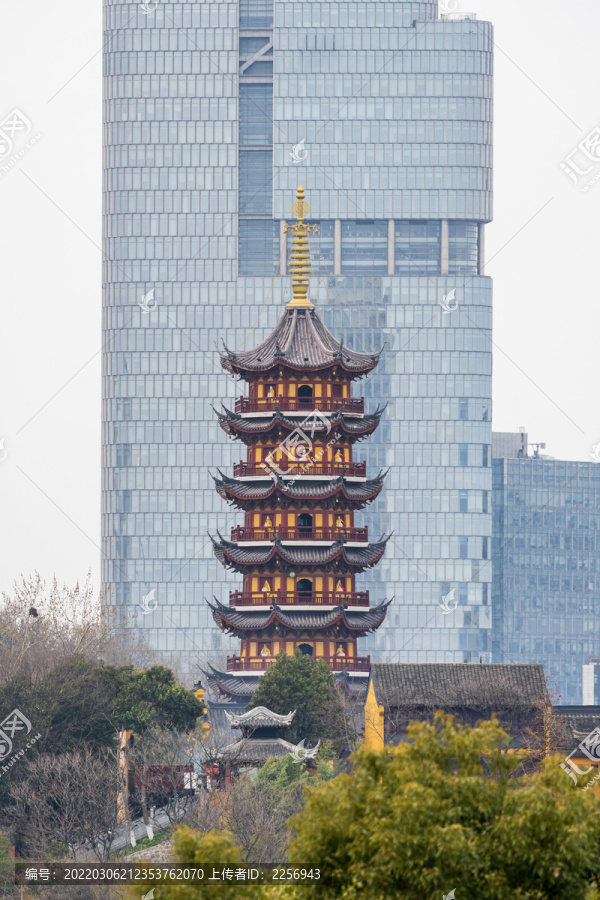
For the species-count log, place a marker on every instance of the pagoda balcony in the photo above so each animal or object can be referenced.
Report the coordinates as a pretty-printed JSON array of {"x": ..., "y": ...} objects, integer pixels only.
[
  {"x": 357, "y": 535},
  {"x": 306, "y": 598},
  {"x": 260, "y": 663},
  {"x": 350, "y": 469},
  {"x": 293, "y": 404}
]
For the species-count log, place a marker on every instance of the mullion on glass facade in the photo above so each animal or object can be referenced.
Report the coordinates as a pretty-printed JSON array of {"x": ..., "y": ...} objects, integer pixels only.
[
  {"x": 547, "y": 575},
  {"x": 413, "y": 148}
]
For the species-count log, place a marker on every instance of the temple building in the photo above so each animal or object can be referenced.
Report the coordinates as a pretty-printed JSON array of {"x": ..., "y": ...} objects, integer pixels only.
[
  {"x": 299, "y": 550},
  {"x": 262, "y": 737}
]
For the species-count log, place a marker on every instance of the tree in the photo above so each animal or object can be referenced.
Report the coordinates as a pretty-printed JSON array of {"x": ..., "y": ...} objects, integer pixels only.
[
  {"x": 256, "y": 810},
  {"x": 68, "y": 705},
  {"x": 215, "y": 849},
  {"x": 448, "y": 811},
  {"x": 307, "y": 685},
  {"x": 150, "y": 697},
  {"x": 147, "y": 699},
  {"x": 42, "y": 626},
  {"x": 68, "y": 800}
]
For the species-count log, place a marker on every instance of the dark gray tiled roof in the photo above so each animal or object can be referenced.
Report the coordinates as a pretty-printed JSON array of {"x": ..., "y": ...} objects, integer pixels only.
[
  {"x": 577, "y": 722},
  {"x": 300, "y": 341},
  {"x": 251, "y": 750},
  {"x": 230, "y": 685},
  {"x": 355, "y": 557},
  {"x": 458, "y": 685},
  {"x": 232, "y": 421},
  {"x": 301, "y": 488},
  {"x": 250, "y": 619}
]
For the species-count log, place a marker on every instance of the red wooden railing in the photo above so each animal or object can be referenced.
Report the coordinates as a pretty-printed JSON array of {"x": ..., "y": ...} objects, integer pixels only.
[
  {"x": 240, "y": 533},
  {"x": 289, "y": 404},
  {"x": 258, "y": 663},
  {"x": 288, "y": 598},
  {"x": 355, "y": 469}
]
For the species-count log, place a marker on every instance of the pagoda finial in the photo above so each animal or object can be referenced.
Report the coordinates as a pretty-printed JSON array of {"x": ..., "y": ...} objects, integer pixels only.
[{"x": 300, "y": 253}]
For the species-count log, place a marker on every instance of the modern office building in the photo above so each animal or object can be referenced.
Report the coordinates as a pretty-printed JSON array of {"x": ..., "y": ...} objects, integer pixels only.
[
  {"x": 546, "y": 587},
  {"x": 214, "y": 113}
]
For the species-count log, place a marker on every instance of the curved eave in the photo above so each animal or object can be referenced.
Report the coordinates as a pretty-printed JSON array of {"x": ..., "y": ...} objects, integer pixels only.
[
  {"x": 246, "y": 559},
  {"x": 357, "y": 428},
  {"x": 235, "y": 367},
  {"x": 300, "y": 342},
  {"x": 230, "y": 685},
  {"x": 355, "y": 623},
  {"x": 246, "y": 494}
]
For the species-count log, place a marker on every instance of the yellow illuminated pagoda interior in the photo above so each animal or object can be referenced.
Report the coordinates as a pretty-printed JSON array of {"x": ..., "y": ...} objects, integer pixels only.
[{"x": 298, "y": 550}]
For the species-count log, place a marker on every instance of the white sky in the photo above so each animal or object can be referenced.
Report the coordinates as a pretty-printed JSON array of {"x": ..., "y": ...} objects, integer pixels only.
[{"x": 546, "y": 297}]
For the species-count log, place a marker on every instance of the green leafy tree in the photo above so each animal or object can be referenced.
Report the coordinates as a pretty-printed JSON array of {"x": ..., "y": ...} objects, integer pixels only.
[
  {"x": 448, "y": 811},
  {"x": 307, "y": 685},
  {"x": 146, "y": 698},
  {"x": 207, "y": 851}
]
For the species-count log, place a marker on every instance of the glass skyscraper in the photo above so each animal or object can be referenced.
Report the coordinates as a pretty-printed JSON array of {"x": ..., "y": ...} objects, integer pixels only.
[
  {"x": 214, "y": 113},
  {"x": 547, "y": 568}
]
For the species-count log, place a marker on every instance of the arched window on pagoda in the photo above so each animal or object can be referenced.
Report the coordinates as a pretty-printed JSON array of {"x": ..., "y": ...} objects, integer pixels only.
[
  {"x": 305, "y": 395},
  {"x": 305, "y": 649},
  {"x": 305, "y": 589},
  {"x": 305, "y": 523}
]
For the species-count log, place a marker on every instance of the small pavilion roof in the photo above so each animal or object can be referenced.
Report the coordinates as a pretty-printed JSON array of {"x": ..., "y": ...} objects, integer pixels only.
[
  {"x": 255, "y": 751},
  {"x": 260, "y": 717},
  {"x": 299, "y": 342},
  {"x": 246, "y": 493}
]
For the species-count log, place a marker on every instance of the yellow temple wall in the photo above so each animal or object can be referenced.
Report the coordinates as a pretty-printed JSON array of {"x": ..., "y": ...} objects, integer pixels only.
[{"x": 322, "y": 387}]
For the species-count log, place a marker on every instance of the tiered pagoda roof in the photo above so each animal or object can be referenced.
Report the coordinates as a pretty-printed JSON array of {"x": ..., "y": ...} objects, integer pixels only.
[
  {"x": 275, "y": 489},
  {"x": 330, "y": 557},
  {"x": 299, "y": 343},
  {"x": 241, "y": 686},
  {"x": 274, "y": 421},
  {"x": 300, "y": 488},
  {"x": 230, "y": 685},
  {"x": 341, "y": 620}
]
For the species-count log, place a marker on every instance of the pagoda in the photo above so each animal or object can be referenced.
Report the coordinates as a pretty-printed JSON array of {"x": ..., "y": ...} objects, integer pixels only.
[{"x": 299, "y": 550}]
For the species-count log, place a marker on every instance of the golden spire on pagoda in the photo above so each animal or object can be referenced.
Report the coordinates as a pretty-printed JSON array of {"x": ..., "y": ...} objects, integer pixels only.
[{"x": 300, "y": 253}]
